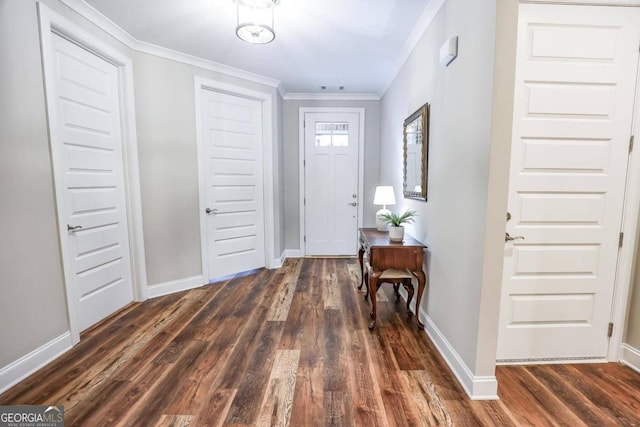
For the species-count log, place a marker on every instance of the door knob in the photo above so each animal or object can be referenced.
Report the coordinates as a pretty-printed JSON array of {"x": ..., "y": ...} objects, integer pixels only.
[
  {"x": 211, "y": 211},
  {"x": 72, "y": 228},
  {"x": 508, "y": 238},
  {"x": 353, "y": 204}
]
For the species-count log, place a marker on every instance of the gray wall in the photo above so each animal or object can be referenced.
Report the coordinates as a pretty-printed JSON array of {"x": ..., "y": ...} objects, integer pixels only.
[
  {"x": 165, "y": 119},
  {"x": 166, "y": 124},
  {"x": 632, "y": 327},
  {"x": 32, "y": 301},
  {"x": 497, "y": 185},
  {"x": 279, "y": 194},
  {"x": 32, "y": 296},
  {"x": 632, "y": 333},
  {"x": 291, "y": 142},
  {"x": 452, "y": 222}
]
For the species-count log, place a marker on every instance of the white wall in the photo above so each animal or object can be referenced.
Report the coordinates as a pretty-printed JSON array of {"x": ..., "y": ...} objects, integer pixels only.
[
  {"x": 291, "y": 143},
  {"x": 463, "y": 278}
]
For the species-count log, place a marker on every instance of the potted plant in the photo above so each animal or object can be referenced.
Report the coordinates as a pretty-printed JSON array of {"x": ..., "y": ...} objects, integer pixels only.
[{"x": 395, "y": 221}]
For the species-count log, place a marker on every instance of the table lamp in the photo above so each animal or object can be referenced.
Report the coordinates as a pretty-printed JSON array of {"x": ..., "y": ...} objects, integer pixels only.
[{"x": 384, "y": 196}]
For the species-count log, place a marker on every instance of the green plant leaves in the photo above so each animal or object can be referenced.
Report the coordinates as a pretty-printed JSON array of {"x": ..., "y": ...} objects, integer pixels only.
[{"x": 397, "y": 220}]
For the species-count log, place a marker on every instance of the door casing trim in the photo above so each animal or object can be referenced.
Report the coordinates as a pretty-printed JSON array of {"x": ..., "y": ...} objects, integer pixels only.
[
  {"x": 51, "y": 24},
  {"x": 626, "y": 260},
  {"x": 631, "y": 211},
  {"x": 266, "y": 101},
  {"x": 302, "y": 156}
]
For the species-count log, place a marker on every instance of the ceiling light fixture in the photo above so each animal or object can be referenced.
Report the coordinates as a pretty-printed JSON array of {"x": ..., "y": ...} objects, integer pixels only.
[{"x": 255, "y": 20}]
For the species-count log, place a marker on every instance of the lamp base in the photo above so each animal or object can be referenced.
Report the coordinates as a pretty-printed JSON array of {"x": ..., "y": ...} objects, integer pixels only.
[{"x": 380, "y": 224}]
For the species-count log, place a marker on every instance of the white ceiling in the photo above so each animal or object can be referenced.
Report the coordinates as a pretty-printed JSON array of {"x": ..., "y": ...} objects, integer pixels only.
[{"x": 359, "y": 44}]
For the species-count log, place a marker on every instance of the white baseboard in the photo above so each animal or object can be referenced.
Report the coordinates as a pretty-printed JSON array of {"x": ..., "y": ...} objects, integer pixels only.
[
  {"x": 16, "y": 371},
  {"x": 630, "y": 357},
  {"x": 476, "y": 387},
  {"x": 167, "y": 288},
  {"x": 277, "y": 262},
  {"x": 292, "y": 253}
]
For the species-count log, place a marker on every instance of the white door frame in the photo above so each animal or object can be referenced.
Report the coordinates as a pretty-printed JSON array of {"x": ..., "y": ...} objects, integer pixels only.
[
  {"x": 631, "y": 211},
  {"x": 301, "y": 155},
  {"x": 52, "y": 24},
  {"x": 266, "y": 101}
]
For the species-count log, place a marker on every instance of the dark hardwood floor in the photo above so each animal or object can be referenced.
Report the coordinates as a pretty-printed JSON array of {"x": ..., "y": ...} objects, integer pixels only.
[{"x": 291, "y": 347}]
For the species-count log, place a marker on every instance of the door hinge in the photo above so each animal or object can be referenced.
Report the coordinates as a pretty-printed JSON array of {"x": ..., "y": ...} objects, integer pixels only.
[
  {"x": 304, "y": 238},
  {"x": 620, "y": 240},
  {"x": 610, "y": 330},
  {"x": 631, "y": 143},
  {"x": 304, "y": 202},
  {"x": 304, "y": 163}
]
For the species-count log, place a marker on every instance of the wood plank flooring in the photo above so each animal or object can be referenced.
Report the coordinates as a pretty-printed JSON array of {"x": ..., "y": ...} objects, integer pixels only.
[{"x": 290, "y": 347}]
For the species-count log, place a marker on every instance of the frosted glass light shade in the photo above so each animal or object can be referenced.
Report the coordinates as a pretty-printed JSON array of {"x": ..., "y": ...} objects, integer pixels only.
[
  {"x": 255, "y": 21},
  {"x": 384, "y": 195}
]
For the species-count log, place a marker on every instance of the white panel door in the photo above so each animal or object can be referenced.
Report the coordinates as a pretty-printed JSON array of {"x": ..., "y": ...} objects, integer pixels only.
[
  {"x": 87, "y": 143},
  {"x": 575, "y": 84},
  {"x": 331, "y": 183},
  {"x": 232, "y": 135}
]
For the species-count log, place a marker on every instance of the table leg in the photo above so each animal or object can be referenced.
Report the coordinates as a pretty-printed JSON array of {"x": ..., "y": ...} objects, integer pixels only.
[
  {"x": 421, "y": 283},
  {"x": 409, "y": 288},
  {"x": 396, "y": 290},
  {"x": 373, "y": 288},
  {"x": 360, "y": 256},
  {"x": 366, "y": 283}
]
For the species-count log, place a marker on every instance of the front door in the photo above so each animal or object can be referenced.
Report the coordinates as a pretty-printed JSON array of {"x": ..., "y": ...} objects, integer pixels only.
[
  {"x": 232, "y": 148},
  {"x": 86, "y": 137},
  {"x": 331, "y": 183},
  {"x": 575, "y": 83}
]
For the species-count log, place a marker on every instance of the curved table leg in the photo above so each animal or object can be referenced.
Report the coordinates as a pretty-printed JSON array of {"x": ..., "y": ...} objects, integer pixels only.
[
  {"x": 421, "y": 283},
  {"x": 373, "y": 286},
  {"x": 360, "y": 256},
  {"x": 396, "y": 290},
  {"x": 406, "y": 283},
  {"x": 366, "y": 280}
]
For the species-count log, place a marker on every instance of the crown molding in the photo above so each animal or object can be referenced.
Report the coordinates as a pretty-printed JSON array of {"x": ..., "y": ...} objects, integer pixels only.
[
  {"x": 623, "y": 3},
  {"x": 414, "y": 37},
  {"x": 115, "y": 31},
  {"x": 105, "y": 24},
  {"x": 185, "y": 58},
  {"x": 331, "y": 97}
]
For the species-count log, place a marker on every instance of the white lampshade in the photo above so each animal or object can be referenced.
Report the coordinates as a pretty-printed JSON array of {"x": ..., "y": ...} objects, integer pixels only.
[{"x": 384, "y": 196}]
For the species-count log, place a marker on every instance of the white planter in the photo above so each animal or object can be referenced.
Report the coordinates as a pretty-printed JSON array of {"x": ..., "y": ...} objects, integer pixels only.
[{"x": 396, "y": 234}]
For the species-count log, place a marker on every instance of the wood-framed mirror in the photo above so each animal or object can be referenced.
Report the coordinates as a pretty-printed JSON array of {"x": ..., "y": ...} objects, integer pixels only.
[{"x": 416, "y": 154}]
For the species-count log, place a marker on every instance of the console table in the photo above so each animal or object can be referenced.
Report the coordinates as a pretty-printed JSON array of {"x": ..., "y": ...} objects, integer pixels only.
[{"x": 383, "y": 255}]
